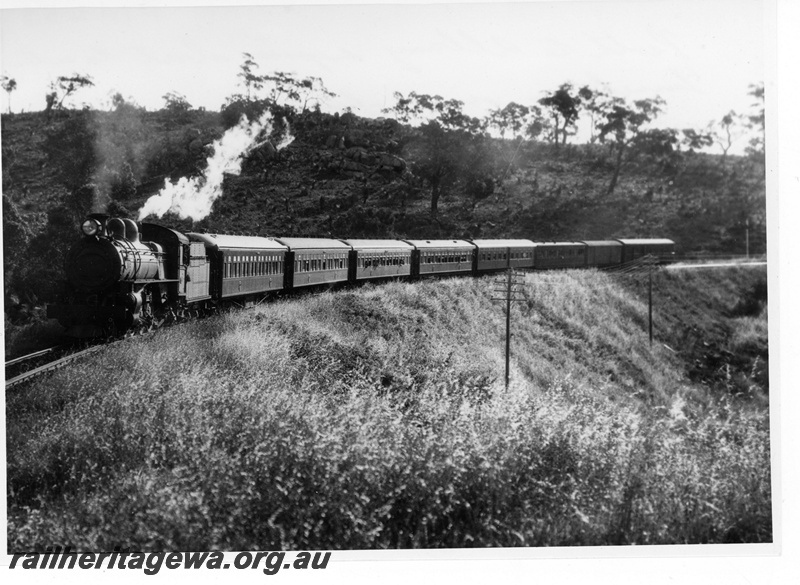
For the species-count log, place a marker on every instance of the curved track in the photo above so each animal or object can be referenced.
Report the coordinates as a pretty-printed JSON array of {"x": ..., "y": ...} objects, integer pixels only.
[
  {"x": 639, "y": 265},
  {"x": 51, "y": 365}
]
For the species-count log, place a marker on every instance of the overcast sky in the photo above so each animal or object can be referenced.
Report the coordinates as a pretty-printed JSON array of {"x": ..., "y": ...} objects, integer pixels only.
[{"x": 699, "y": 55}]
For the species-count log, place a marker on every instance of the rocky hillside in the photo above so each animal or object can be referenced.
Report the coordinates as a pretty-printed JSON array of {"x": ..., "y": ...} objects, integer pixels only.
[{"x": 347, "y": 176}]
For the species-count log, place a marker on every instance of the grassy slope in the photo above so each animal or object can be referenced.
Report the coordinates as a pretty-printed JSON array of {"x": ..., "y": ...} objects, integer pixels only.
[{"x": 377, "y": 417}]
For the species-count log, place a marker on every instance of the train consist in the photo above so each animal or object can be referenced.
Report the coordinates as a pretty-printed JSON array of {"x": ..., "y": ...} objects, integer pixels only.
[{"x": 123, "y": 276}]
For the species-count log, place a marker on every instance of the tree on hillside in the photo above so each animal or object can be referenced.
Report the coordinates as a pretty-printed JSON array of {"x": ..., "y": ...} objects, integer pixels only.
[
  {"x": 442, "y": 156},
  {"x": 564, "y": 107},
  {"x": 252, "y": 81},
  {"x": 696, "y": 140},
  {"x": 596, "y": 104},
  {"x": 177, "y": 108},
  {"x": 449, "y": 113},
  {"x": 9, "y": 85},
  {"x": 407, "y": 109},
  {"x": 538, "y": 124},
  {"x": 726, "y": 131},
  {"x": 512, "y": 117},
  {"x": 449, "y": 143},
  {"x": 284, "y": 86},
  {"x": 661, "y": 145},
  {"x": 312, "y": 89},
  {"x": 623, "y": 123},
  {"x": 117, "y": 101},
  {"x": 65, "y": 86},
  {"x": 757, "y": 120}
]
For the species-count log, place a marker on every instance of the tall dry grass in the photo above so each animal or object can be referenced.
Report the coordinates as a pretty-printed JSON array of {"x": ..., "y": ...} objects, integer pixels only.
[{"x": 377, "y": 418}]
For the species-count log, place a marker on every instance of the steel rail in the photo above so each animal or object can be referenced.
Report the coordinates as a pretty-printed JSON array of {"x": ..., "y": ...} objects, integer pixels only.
[
  {"x": 52, "y": 365},
  {"x": 31, "y": 356}
]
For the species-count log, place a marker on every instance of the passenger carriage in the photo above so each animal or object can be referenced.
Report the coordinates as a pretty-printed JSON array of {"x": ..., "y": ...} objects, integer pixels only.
[
  {"x": 315, "y": 261},
  {"x": 501, "y": 254},
  {"x": 549, "y": 255},
  {"x": 243, "y": 265},
  {"x": 376, "y": 259},
  {"x": 438, "y": 257}
]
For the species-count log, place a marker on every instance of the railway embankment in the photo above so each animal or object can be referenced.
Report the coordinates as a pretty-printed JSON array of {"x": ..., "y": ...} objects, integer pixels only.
[{"x": 377, "y": 417}]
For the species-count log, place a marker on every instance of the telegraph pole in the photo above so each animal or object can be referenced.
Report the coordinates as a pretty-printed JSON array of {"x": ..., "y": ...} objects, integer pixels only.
[
  {"x": 650, "y": 303},
  {"x": 508, "y": 288},
  {"x": 747, "y": 237}
]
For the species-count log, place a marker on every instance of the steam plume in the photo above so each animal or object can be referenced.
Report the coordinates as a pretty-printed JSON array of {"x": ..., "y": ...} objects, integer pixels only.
[{"x": 193, "y": 197}]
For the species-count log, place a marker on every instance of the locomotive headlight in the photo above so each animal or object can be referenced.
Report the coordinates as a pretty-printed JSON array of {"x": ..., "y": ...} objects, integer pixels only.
[{"x": 90, "y": 227}]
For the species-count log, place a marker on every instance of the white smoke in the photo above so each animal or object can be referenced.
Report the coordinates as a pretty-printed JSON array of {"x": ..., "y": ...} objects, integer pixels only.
[{"x": 193, "y": 197}]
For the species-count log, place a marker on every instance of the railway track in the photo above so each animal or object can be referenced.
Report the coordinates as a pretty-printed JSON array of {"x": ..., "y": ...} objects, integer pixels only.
[
  {"x": 23, "y": 368},
  {"x": 26, "y": 367}
]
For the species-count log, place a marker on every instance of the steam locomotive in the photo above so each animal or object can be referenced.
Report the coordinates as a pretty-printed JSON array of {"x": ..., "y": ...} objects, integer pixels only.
[{"x": 123, "y": 276}]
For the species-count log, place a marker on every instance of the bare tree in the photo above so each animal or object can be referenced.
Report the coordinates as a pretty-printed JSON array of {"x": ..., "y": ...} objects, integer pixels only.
[
  {"x": 313, "y": 89},
  {"x": 252, "y": 81},
  {"x": 65, "y": 86},
  {"x": 9, "y": 85},
  {"x": 726, "y": 130}
]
